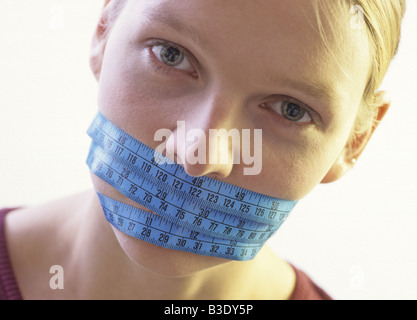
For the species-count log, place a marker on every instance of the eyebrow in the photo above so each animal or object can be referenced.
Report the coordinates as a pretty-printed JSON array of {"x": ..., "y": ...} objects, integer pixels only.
[
  {"x": 322, "y": 92},
  {"x": 169, "y": 20}
]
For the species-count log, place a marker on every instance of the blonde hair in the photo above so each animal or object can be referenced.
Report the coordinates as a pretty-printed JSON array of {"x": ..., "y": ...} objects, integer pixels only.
[
  {"x": 382, "y": 21},
  {"x": 116, "y": 9}
]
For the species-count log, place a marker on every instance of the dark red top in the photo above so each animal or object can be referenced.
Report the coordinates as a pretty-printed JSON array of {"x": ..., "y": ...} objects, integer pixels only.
[
  {"x": 305, "y": 288},
  {"x": 9, "y": 289}
]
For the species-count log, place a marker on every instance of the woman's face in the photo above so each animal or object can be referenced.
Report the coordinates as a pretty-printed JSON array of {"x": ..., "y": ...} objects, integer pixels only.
[{"x": 233, "y": 64}]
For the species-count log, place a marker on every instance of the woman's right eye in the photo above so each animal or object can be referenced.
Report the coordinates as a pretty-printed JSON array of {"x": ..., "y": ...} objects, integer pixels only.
[{"x": 172, "y": 56}]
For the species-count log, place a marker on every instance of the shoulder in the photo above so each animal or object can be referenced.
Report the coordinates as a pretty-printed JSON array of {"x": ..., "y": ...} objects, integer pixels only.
[
  {"x": 291, "y": 283},
  {"x": 37, "y": 239},
  {"x": 9, "y": 290},
  {"x": 306, "y": 289}
]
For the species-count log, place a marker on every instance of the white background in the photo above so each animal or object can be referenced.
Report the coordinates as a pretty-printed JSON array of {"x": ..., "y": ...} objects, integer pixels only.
[{"x": 357, "y": 237}]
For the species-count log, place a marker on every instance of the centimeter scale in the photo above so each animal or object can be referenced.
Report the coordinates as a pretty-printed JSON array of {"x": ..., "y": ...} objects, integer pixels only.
[{"x": 195, "y": 214}]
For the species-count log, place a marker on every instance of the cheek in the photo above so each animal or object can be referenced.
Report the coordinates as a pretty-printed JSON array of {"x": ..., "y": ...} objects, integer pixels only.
[
  {"x": 129, "y": 101},
  {"x": 122, "y": 101},
  {"x": 293, "y": 170}
]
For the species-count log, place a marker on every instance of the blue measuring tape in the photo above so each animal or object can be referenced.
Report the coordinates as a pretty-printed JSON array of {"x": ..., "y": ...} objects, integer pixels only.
[{"x": 201, "y": 215}]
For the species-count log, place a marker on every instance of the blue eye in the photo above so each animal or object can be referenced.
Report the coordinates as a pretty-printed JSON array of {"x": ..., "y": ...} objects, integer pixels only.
[
  {"x": 172, "y": 56},
  {"x": 291, "y": 111}
]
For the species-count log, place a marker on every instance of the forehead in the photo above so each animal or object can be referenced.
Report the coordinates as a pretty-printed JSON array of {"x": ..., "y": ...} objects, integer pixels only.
[{"x": 278, "y": 40}]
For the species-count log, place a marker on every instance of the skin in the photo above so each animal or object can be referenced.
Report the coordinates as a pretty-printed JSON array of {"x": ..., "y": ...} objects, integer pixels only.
[{"x": 248, "y": 60}]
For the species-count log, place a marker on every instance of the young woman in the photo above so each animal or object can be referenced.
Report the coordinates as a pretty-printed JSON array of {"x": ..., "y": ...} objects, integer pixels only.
[{"x": 304, "y": 72}]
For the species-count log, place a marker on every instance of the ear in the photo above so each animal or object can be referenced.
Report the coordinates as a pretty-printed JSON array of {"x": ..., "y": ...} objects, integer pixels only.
[
  {"x": 356, "y": 144},
  {"x": 99, "y": 40}
]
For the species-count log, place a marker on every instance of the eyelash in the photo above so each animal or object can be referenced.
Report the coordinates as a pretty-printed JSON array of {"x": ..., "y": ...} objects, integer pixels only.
[
  {"x": 166, "y": 68},
  {"x": 312, "y": 115}
]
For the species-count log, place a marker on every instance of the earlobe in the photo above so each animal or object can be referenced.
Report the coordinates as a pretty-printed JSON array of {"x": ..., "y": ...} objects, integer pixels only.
[
  {"x": 339, "y": 168},
  {"x": 99, "y": 40},
  {"x": 356, "y": 144}
]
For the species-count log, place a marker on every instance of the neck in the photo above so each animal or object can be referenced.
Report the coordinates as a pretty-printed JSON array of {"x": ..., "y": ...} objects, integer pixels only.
[{"x": 100, "y": 269}]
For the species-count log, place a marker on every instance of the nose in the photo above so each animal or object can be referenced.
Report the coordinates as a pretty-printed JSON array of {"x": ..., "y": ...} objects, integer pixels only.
[{"x": 205, "y": 143}]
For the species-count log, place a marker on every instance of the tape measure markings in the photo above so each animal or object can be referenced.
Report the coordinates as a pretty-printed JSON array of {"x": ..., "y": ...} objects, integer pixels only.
[
  {"x": 194, "y": 221},
  {"x": 153, "y": 163},
  {"x": 235, "y": 228},
  {"x": 273, "y": 210},
  {"x": 173, "y": 190},
  {"x": 143, "y": 227},
  {"x": 101, "y": 138}
]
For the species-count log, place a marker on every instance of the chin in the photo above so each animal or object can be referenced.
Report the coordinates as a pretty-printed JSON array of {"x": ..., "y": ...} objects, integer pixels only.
[{"x": 162, "y": 261}]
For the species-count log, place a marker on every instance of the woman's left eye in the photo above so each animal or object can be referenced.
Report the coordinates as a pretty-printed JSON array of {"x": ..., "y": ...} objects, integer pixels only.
[
  {"x": 172, "y": 57},
  {"x": 291, "y": 111}
]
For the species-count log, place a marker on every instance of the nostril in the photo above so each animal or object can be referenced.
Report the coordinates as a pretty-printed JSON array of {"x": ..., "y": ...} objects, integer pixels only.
[{"x": 216, "y": 175}]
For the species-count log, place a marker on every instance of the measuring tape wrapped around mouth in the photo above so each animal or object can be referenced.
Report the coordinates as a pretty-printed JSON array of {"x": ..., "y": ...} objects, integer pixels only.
[{"x": 201, "y": 215}]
